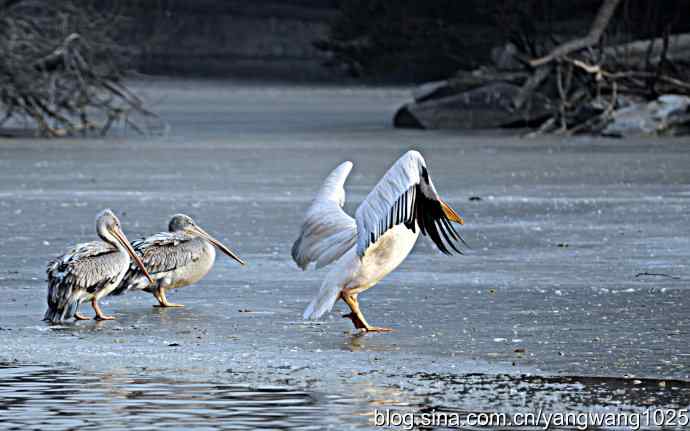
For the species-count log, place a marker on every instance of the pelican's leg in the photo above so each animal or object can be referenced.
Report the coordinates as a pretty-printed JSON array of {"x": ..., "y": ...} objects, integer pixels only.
[
  {"x": 356, "y": 314},
  {"x": 159, "y": 293},
  {"x": 79, "y": 316},
  {"x": 99, "y": 313}
]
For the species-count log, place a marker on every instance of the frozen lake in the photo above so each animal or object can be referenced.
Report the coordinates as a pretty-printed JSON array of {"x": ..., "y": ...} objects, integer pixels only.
[{"x": 552, "y": 306}]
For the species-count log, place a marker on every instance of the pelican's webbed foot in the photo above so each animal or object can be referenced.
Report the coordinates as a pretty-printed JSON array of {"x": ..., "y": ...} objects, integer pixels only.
[
  {"x": 356, "y": 315},
  {"x": 163, "y": 301},
  {"x": 99, "y": 313},
  {"x": 363, "y": 326},
  {"x": 379, "y": 329},
  {"x": 356, "y": 321},
  {"x": 168, "y": 304}
]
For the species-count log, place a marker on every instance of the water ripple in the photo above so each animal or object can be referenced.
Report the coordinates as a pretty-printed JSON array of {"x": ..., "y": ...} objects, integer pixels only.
[{"x": 41, "y": 397}]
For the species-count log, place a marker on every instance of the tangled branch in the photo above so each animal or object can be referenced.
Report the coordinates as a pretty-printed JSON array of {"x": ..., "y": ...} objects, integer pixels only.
[
  {"x": 62, "y": 68},
  {"x": 589, "y": 77}
]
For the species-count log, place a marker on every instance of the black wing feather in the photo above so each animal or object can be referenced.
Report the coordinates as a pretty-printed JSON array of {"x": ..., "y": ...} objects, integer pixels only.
[
  {"x": 428, "y": 215},
  {"x": 432, "y": 221}
]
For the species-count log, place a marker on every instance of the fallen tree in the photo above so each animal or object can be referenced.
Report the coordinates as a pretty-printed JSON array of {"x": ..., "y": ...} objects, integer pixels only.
[
  {"x": 581, "y": 83},
  {"x": 592, "y": 82},
  {"x": 62, "y": 68}
]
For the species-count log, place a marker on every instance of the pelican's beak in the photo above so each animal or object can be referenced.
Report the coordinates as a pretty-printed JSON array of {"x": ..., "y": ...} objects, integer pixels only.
[
  {"x": 451, "y": 214},
  {"x": 199, "y": 231},
  {"x": 120, "y": 236}
]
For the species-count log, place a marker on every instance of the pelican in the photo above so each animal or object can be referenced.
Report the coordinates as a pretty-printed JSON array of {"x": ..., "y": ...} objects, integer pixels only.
[
  {"x": 365, "y": 249},
  {"x": 90, "y": 271},
  {"x": 177, "y": 258}
]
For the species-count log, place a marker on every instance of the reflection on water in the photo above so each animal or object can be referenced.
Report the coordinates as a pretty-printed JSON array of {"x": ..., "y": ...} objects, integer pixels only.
[
  {"x": 34, "y": 397},
  {"x": 43, "y": 397}
]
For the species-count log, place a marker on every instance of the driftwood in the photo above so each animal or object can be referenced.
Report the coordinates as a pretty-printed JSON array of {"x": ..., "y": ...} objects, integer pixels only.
[
  {"x": 587, "y": 82},
  {"x": 542, "y": 64},
  {"x": 577, "y": 87},
  {"x": 62, "y": 68},
  {"x": 634, "y": 53},
  {"x": 595, "y": 32}
]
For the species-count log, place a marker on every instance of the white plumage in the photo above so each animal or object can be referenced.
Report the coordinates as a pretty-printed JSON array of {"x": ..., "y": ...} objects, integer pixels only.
[
  {"x": 386, "y": 226},
  {"x": 328, "y": 232},
  {"x": 391, "y": 202}
]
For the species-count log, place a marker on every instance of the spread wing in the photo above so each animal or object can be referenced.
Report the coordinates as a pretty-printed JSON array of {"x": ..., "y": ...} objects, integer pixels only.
[
  {"x": 405, "y": 195},
  {"x": 160, "y": 253},
  {"x": 327, "y": 232}
]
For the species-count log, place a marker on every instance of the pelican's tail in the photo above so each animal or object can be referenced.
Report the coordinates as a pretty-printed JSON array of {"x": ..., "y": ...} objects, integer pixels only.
[
  {"x": 325, "y": 299},
  {"x": 62, "y": 303},
  {"x": 60, "y": 314}
]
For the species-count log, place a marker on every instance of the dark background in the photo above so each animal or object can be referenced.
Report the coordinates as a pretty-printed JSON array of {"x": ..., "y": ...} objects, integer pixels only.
[{"x": 379, "y": 40}]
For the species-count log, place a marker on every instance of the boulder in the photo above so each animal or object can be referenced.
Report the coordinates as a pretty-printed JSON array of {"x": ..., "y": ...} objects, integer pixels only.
[
  {"x": 667, "y": 115},
  {"x": 432, "y": 90},
  {"x": 488, "y": 106}
]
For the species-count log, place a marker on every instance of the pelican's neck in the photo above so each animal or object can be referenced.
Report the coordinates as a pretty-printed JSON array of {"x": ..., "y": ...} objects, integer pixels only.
[
  {"x": 209, "y": 248},
  {"x": 110, "y": 239}
]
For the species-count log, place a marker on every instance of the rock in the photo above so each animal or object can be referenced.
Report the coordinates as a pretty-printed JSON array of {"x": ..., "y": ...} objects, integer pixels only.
[
  {"x": 635, "y": 119},
  {"x": 488, "y": 106},
  {"x": 668, "y": 115},
  {"x": 671, "y": 104},
  {"x": 404, "y": 119},
  {"x": 429, "y": 90},
  {"x": 465, "y": 80}
]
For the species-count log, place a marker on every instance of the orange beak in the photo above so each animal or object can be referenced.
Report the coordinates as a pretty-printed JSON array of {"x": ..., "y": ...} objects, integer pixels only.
[
  {"x": 199, "y": 231},
  {"x": 451, "y": 214},
  {"x": 125, "y": 243}
]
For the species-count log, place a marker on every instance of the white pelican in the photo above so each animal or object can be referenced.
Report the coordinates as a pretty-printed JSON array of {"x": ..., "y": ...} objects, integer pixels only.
[
  {"x": 367, "y": 248},
  {"x": 89, "y": 271},
  {"x": 177, "y": 258}
]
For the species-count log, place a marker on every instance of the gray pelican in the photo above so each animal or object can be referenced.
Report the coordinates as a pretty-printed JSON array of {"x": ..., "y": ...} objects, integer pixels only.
[
  {"x": 367, "y": 248},
  {"x": 177, "y": 258},
  {"x": 89, "y": 271}
]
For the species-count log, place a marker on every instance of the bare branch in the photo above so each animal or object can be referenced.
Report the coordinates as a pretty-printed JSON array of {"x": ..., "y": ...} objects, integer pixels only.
[
  {"x": 63, "y": 69},
  {"x": 595, "y": 32}
]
